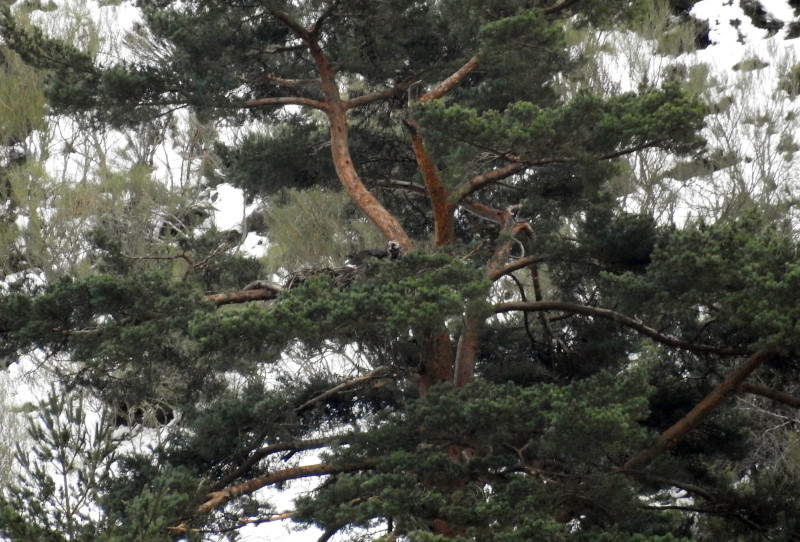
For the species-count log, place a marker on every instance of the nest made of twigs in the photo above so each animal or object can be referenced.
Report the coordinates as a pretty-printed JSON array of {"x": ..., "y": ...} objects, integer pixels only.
[{"x": 341, "y": 277}]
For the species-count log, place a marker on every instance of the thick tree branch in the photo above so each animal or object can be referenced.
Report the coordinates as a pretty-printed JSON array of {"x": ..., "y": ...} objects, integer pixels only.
[
  {"x": 626, "y": 321},
  {"x": 286, "y": 100},
  {"x": 244, "y": 296},
  {"x": 219, "y": 498},
  {"x": 410, "y": 186},
  {"x": 291, "y": 82},
  {"x": 521, "y": 263},
  {"x": 261, "y": 453},
  {"x": 700, "y": 412},
  {"x": 378, "y": 96},
  {"x": 451, "y": 82},
  {"x": 476, "y": 183},
  {"x": 559, "y": 7},
  {"x": 379, "y": 372},
  {"x": 769, "y": 393},
  {"x": 484, "y": 211},
  {"x": 443, "y": 217},
  {"x": 336, "y": 110}
]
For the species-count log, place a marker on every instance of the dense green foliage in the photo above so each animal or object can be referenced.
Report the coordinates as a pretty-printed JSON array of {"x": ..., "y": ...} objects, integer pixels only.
[{"x": 493, "y": 383}]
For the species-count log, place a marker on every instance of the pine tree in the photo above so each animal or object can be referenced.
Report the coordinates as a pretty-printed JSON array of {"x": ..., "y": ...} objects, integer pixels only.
[{"x": 538, "y": 364}]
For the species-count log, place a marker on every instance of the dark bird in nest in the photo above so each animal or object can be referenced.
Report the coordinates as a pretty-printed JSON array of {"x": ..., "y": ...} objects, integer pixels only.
[{"x": 392, "y": 252}]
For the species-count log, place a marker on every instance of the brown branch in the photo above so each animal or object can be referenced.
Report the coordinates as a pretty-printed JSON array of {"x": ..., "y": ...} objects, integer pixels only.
[
  {"x": 700, "y": 412},
  {"x": 315, "y": 29},
  {"x": 261, "y": 453},
  {"x": 219, "y": 498},
  {"x": 286, "y": 100},
  {"x": 336, "y": 110},
  {"x": 514, "y": 266},
  {"x": 626, "y": 321},
  {"x": 478, "y": 182},
  {"x": 769, "y": 393},
  {"x": 377, "y": 96},
  {"x": 379, "y": 372},
  {"x": 451, "y": 82},
  {"x": 558, "y": 7},
  {"x": 443, "y": 217},
  {"x": 402, "y": 185},
  {"x": 484, "y": 211},
  {"x": 291, "y": 82},
  {"x": 244, "y": 296}
]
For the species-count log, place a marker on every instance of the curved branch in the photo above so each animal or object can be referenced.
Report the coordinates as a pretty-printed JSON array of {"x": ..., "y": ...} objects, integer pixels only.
[
  {"x": 514, "y": 266},
  {"x": 621, "y": 319},
  {"x": 443, "y": 217},
  {"x": 476, "y": 183},
  {"x": 484, "y": 211}
]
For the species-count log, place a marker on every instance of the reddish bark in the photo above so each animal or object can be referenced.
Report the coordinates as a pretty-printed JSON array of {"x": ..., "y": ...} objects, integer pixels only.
[
  {"x": 451, "y": 82},
  {"x": 361, "y": 197},
  {"x": 438, "y": 364},
  {"x": 336, "y": 110},
  {"x": 443, "y": 217},
  {"x": 467, "y": 351},
  {"x": 700, "y": 412}
]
